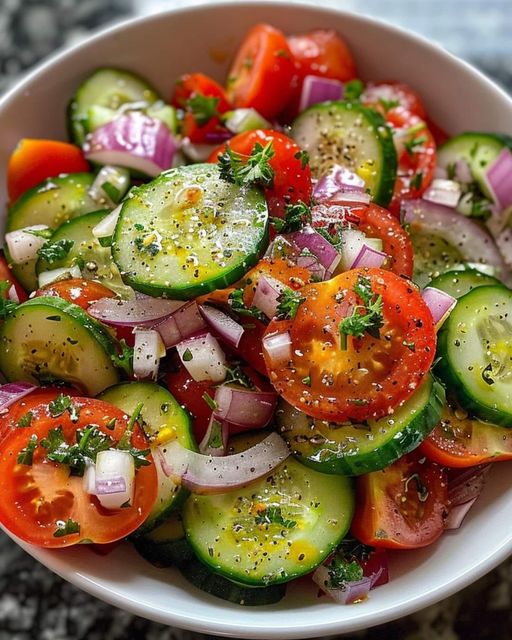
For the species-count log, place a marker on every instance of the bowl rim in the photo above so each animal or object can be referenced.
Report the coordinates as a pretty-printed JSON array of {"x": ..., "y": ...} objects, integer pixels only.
[{"x": 230, "y": 626}]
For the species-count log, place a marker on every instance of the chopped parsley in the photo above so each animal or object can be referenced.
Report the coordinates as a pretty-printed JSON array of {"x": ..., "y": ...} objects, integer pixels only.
[
  {"x": 296, "y": 216},
  {"x": 288, "y": 304},
  {"x": 7, "y": 306},
  {"x": 236, "y": 302},
  {"x": 40, "y": 233},
  {"x": 247, "y": 170},
  {"x": 412, "y": 145},
  {"x": 307, "y": 381},
  {"x": 149, "y": 243},
  {"x": 203, "y": 108},
  {"x": 26, "y": 455},
  {"x": 25, "y": 420},
  {"x": 139, "y": 455},
  {"x": 303, "y": 156},
  {"x": 416, "y": 180},
  {"x": 353, "y": 89},
  {"x": 237, "y": 375},
  {"x": 209, "y": 401},
  {"x": 273, "y": 515},
  {"x": 54, "y": 251},
  {"x": 387, "y": 105},
  {"x": 61, "y": 404},
  {"x": 187, "y": 355},
  {"x": 360, "y": 323},
  {"x": 215, "y": 439},
  {"x": 342, "y": 571},
  {"x": 66, "y": 528},
  {"x": 124, "y": 360},
  {"x": 334, "y": 235}
]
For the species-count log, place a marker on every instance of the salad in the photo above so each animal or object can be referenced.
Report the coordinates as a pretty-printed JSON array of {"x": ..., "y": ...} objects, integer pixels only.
[{"x": 262, "y": 329}]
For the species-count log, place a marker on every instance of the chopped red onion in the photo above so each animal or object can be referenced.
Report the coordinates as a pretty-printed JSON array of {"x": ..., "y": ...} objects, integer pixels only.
[
  {"x": 223, "y": 324},
  {"x": 338, "y": 181},
  {"x": 353, "y": 242},
  {"x": 215, "y": 440},
  {"x": 439, "y": 303},
  {"x": 184, "y": 323},
  {"x": 133, "y": 140},
  {"x": 444, "y": 192},
  {"x": 144, "y": 311},
  {"x": 266, "y": 295},
  {"x": 203, "y": 358},
  {"x": 348, "y": 593},
  {"x": 462, "y": 171},
  {"x": 317, "y": 89},
  {"x": 243, "y": 407},
  {"x": 148, "y": 348},
  {"x": 114, "y": 478},
  {"x": 23, "y": 245},
  {"x": 278, "y": 348},
  {"x": 218, "y": 474},
  {"x": 369, "y": 257},
  {"x": 498, "y": 179},
  {"x": 308, "y": 238},
  {"x": 464, "y": 487},
  {"x": 312, "y": 264},
  {"x": 14, "y": 391}
]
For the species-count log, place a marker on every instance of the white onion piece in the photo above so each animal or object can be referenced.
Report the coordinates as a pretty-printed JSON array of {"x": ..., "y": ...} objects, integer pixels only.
[
  {"x": 445, "y": 192},
  {"x": 115, "y": 478},
  {"x": 89, "y": 479},
  {"x": 23, "y": 246},
  {"x": 14, "y": 391},
  {"x": 439, "y": 303},
  {"x": 197, "y": 152},
  {"x": 133, "y": 140},
  {"x": 116, "y": 177},
  {"x": 240, "y": 120},
  {"x": 223, "y": 324},
  {"x": 55, "y": 275},
  {"x": 106, "y": 227},
  {"x": 143, "y": 311},
  {"x": 218, "y": 474},
  {"x": 317, "y": 89},
  {"x": 148, "y": 348},
  {"x": 338, "y": 181},
  {"x": 353, "y": 242},
  {"x": 351, "y": 196},
  {"x": 498, "y": 179},
  {"x": 266, "y": 295},
  {"x": 350, "y": 592},
  {"x": 203, "y": 358},
  {"x": 215, "y": 440},
  {"x": 182, "y": 324},
  {"x": 308, "y": 238},
  {"x": 369, "y": 257},
  {"x": 280, "y": 247},
  {"x": 12, "y": 294},
  {"x": 278, "y": 348},
  {"x": 243, "y": 407}
]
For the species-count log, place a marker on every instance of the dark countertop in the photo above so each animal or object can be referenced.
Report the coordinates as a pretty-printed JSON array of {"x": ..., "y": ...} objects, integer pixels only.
[{"x": 37, "y": 605}]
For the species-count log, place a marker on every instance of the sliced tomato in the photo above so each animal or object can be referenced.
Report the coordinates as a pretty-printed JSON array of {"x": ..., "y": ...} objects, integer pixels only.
[
  {"x": 387, "y": 96},
  {"x": 78, "y": 291},
  {"x": 262, "y": 72},
  {"x": 375, "y": 222},
  {"x": 6, "y": 275},
  {"x": 369, "y": 376},
  {"x": 39, "y": 498},
  {"x": 460, "y": 441},
  {"x": 194, "y": 125},
  {"x": 323, "y": 53},
  {"x": 403, "y": 506},
  {"x": 292, "y": 176},
  {"x": 35, "y": 160}
]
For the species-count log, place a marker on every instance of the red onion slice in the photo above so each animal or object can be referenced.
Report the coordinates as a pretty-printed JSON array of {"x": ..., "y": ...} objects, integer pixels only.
[
  {"x": 223, "y": 324},
  {"x": 147, "y": 351},
  {"x": 464, "y": 487},
  {"x": 142, "y": 312},
  {"x": 308, "y": 238},
  {"x": 348, "y": 593},
  {"x": 14, "y": 391},
  {"x": 439, "y": 303},
  {"x": 317, "y": 89},
  {"x": 369, "y": 257},
  {"x": 278, "y": 347},
  {"x": 203, "y": 358},
  {"x": 217, "y": 474},
  {"x": 266, "y": 294},
  {"x": 498, "y": 179},
  {"x": 183, "y": 324},
  {"x": 337, "y": 182},
  {"x": 243, "y": 407},
  {"x": 443, "y": 192},
  {"x": 135, "y": 141},
  {"x": 312, "y": 264}
]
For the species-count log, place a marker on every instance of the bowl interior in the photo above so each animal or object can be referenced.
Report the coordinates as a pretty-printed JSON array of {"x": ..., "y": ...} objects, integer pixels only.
[{"x": 202, "y": 39}]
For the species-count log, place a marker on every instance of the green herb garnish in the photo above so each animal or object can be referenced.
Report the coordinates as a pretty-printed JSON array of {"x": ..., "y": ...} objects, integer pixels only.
[
  {"x": 370, "y": 321},
  {"x": 296, "y": 216},
  {"x": 7, "y": 306},
  {"x": 26, "y": 455},
  {"x": 66, "y": 528},
  {"x": 124, "y": 360},
  {"x": 273, "y": 515},
  {"x": 411, "y": 145},
  {"x": 288, "y": 304},
  {"x": 353, "y": 90},
  {"x": 253, "y": 169},
  {"x": 203, "y": 108},
  {"x": 236, "y": 302},
  {"x": 54, "y": 251}
]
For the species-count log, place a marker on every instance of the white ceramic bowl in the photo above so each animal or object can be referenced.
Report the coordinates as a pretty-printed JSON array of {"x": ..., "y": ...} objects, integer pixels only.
[{"x": 201, "y": 39}]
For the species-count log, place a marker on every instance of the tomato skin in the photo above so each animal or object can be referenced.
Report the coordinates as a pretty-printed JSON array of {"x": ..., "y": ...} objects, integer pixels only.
[
  {"x": 389, "y": 512},
  {"x": 292, "y": 181},
  {"x": 35, "y": 160},
  {"x": 262, "y": 72},
  {"x": 280, "y": 269},
  {"x": 78, "y": 291},
  {"x": 392, "y": 91},
  {"x": 369, "y": 377},
  {"x": 193, "y": 84},
  {"x": 376, "y": 222},
  {"x": 6, "y": 274},
  {"x": 37, "y": 496},
  {"x": 323, "y": 53}
]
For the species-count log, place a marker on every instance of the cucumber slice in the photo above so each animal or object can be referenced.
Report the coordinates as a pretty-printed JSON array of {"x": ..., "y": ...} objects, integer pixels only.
[
  {"x": 351, "y": 135},
  {"x": 97, "y": 115},
  {"x": 479, "y": 150},
  {"x": 162, "y": 419},
  {"x": 166, "y": 545},
  {"x": 311, "y": 514},
  {"x": 458, "y": 283},
  {"x": 354, "y": 449},
  {"x": 189, "y": 232},
  {"x": 475, "y": 349},
  {"x": 51, "y": 203},
  {"x": 94, "y": 260},
  {"x": 110, "y": 88},
  {"x": 47, "y": 339},
  {"x": 202, "y": 578}
]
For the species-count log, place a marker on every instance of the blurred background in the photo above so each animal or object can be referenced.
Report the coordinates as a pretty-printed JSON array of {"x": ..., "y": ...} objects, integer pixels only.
[{"x": 37, "y": 605}]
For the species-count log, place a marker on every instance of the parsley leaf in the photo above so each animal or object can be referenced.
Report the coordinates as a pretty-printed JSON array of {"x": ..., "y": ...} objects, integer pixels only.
[
  {"x": 333, "y": 235},
  {"x": 411, "y": 145},
  {"x": 61, "y": 404},
  {"x": 6, "y": 306},
  {"x": 273, "y": 515},
  {"x": 353, "y": 89},
  {"x": 209, "y": 401},
  {"x": 238, "y": 376},
  {"x": 236, "y": 302},
  {"x": 296, "y": 216},
  {"x": 25, "y": 420},
  {"x": 26, "y": 455},
  {"x": 370, "y": 321},
  {"x": 54, "y": 251},
  {"x": 246, "y": 170},
  {"x": 203, "y": 108},
  {"x": 303, "y": 156},
  {"x": 288, "y": 304},
  {"x": 416, "y": 180},
  {"x": 40, "y": 233},
  {"x": 139, "y": 455},
  {"x": 66, "y": 528},
  {"x": 124, "y": 360},
  {"x": 388, "y": 104},
  {"x": 342, "y": 571}
]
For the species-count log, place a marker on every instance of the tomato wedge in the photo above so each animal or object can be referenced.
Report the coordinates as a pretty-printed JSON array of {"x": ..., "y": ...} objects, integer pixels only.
[
  {"x": 460, "y": 441},
  {"x": 402, "y": 506},
  {"x": 262, "y": 73},
  {"x": 78, "y": 291},
  {"x": 35, "y": 160},
  {"x": 6, "y": 275},
  {"x": 292, "y": 175},
  {"x": 40, "y": 497},
  {"x": 368, "y": 376},
  {"x": 388, "y": 96}
]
